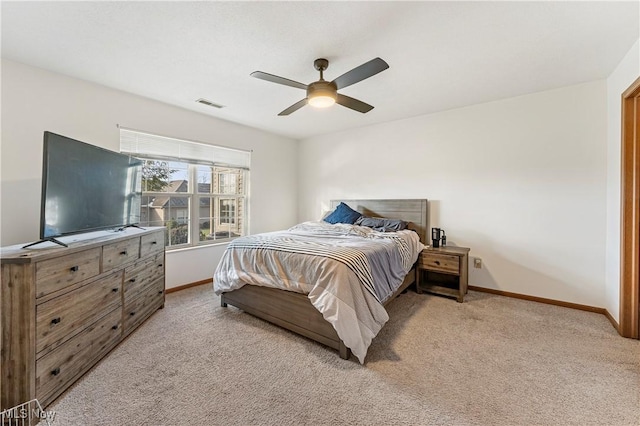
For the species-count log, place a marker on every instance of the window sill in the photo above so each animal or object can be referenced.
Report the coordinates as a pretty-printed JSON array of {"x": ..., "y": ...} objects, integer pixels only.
[{"x": 200, "y": 246}]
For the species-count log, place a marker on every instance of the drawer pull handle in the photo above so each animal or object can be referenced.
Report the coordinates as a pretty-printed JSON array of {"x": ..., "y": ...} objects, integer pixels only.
[
  {"x": 74, "y": 268},
  {"x": 132, "y": 313},
  {"x": 115, "y": 290},
  {"x": 55, "y": 371},
  {"x": 55, "y": 320},
  {"x": 154, "y": 243},
  {"x": 132, "y": 280},
  {"x": 115, "y": 327},
  {"x": 160, "y": 292},
  {"x": 437, "y": 262},
  {"x": 160, "y": 265},
  {"x": 123, "y": 253}
]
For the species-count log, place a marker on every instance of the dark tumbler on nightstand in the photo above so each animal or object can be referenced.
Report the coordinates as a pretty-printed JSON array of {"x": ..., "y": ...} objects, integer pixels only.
[{"x": 435, "y": 237}]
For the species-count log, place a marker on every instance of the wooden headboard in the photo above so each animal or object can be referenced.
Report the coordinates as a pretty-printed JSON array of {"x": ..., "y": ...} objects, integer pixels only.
[{"x": 411, "y": 210}]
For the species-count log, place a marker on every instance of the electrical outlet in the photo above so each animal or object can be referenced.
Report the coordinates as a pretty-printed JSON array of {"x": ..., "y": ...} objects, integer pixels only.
[{"x": 477, "y": 262}]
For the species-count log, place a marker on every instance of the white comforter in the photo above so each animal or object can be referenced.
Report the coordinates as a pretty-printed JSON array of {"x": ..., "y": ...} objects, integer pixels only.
[{"x": 332, "y": 286}]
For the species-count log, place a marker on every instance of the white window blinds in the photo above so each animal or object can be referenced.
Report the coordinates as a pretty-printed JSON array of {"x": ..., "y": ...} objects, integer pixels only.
[{"x": 140, "y": 144}]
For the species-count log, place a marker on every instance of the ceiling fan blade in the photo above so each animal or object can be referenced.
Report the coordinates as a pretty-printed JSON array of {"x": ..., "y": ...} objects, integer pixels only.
[
  {"x": 357, "y": 74},
  {"x": 354, "y": 104},
  {"x": 294, "y": 107},
  {"x": 280, "y": 80}
]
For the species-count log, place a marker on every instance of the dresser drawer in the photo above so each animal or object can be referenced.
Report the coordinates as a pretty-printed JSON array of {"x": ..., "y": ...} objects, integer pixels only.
[
  {"x": 444, "y": 263},
  {"x": 120, "y": 253},
  {"x": 152, "y": 243},
  {"x": 139, "y": 309},
  {"x": 59, "y": 319},
  {"x": 60, "y": 272},
  {"x": 142, "y": 274},
  {"x": 59, "y": 367}
]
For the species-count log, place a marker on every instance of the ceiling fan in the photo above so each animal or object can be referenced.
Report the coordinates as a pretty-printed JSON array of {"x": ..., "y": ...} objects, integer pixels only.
[{"x": 322, "y": 93}]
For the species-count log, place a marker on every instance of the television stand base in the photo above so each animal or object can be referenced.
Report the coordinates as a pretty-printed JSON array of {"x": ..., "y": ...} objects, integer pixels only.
[
  {"x": 53, "y": 240},
  {"x": 130, "y": 226}
]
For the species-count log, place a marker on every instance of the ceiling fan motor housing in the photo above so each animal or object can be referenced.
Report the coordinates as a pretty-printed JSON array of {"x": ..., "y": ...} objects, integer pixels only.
[{"x": 321, "y": 64}]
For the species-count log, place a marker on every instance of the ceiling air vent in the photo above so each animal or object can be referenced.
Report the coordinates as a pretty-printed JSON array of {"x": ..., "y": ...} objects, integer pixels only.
[{"x": 209, "y": 103}]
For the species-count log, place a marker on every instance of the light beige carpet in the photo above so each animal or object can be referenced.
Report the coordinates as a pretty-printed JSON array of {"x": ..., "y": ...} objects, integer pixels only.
[{"x": 489, "y": 361}]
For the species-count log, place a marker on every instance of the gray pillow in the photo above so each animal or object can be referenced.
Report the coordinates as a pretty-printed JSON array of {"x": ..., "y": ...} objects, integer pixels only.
[{"x": 382, "y": 224}]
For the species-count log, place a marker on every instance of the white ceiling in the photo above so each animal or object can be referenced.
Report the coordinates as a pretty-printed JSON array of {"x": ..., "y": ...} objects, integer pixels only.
[{"x": 442, "y": 55}]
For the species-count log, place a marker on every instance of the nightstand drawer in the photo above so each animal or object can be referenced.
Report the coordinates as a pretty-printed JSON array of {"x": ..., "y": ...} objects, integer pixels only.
[{"x": 440, "y": 263}]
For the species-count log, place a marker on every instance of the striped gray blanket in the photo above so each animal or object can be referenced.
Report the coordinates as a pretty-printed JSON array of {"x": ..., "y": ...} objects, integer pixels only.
[{"x": 379, "y": 260}]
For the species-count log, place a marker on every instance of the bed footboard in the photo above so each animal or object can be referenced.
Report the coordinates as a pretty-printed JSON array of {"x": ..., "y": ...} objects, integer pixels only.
[
  {"x": 294, "y": 311},
  {"x": 286, "y": 309}
]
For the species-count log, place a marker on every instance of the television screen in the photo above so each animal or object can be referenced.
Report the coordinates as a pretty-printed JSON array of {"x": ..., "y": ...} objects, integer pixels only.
[{"x": 87, "y": 188}]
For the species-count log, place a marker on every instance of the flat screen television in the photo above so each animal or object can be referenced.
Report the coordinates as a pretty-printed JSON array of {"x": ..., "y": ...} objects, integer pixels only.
[{"x": 86, "y": 188}]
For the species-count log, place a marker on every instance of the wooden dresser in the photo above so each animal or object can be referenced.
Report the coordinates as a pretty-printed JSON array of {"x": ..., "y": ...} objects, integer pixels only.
[{"x": 64, "y": 309}]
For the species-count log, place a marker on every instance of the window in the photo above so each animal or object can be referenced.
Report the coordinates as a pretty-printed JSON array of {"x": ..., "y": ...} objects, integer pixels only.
[
  {"x": 199, "y": 200},
  {"x": 227, "y": 182},
  {"x": 227, "y": 211}
]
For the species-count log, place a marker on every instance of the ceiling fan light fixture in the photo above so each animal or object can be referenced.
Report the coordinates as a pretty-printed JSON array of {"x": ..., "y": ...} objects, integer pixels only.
[
  {"x": 322, "y": 101},
  {"x": 322, "y": 94}
]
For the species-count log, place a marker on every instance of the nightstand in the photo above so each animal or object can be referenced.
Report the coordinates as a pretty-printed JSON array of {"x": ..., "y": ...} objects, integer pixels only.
[{"x": 443, "y": 271}]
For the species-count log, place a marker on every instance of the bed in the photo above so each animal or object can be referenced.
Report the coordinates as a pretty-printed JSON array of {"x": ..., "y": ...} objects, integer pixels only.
[{"x": 300, "y": 311}]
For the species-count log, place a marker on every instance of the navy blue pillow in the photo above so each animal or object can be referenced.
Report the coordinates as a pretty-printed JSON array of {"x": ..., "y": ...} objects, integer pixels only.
[{"x": 343, "y": 214}]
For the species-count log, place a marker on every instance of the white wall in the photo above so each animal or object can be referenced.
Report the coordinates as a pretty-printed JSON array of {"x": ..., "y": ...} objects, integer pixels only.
[
  {"x": 620, "y": 79},
  {"x": 531, "y": 183},
  {"x": 521, "y": 181},
  {"x": 34, "y": 100}
]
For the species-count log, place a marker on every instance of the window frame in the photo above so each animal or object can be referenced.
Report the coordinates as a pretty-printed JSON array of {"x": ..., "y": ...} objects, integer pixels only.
[{"x": 135, "y": 143}]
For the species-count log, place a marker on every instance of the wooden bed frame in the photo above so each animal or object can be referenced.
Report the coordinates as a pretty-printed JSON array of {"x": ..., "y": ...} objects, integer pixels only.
[{"x": 294, "y": 311}]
